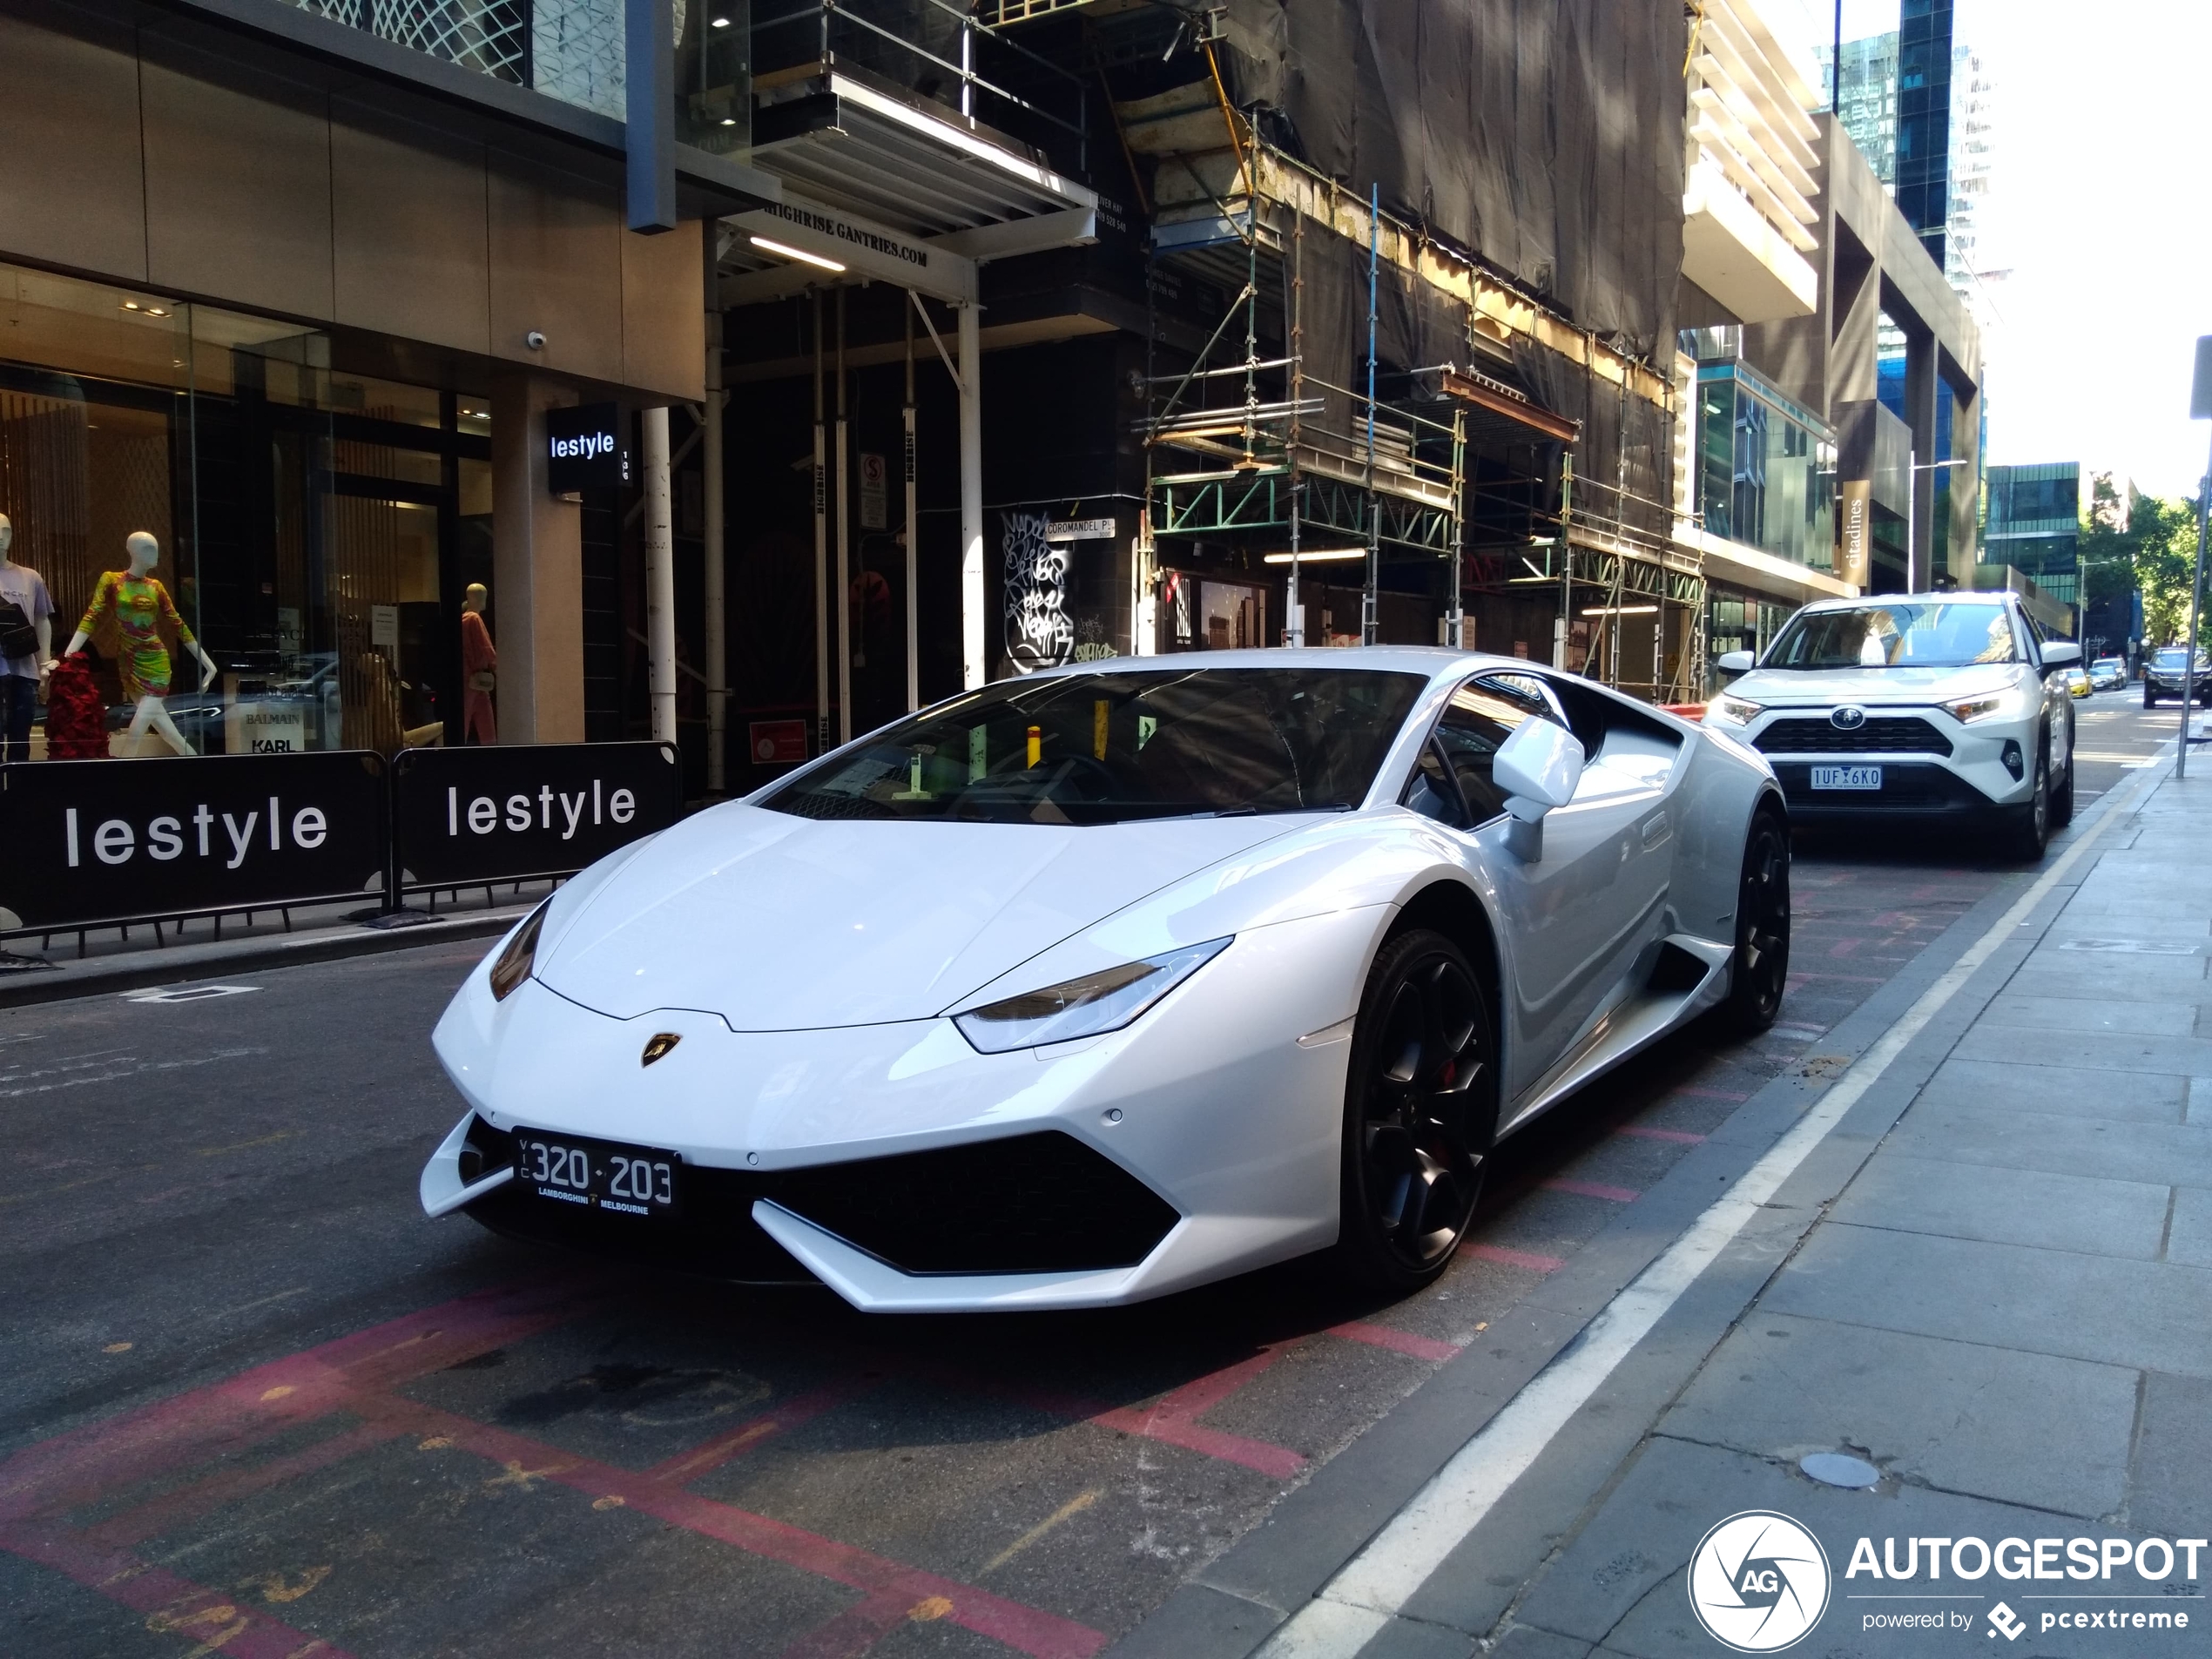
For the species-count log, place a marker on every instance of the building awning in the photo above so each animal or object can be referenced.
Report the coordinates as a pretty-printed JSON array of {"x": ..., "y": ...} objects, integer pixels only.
[
  {"x": 1760, "y": 572},
  {"x": 903, "y": 161}
]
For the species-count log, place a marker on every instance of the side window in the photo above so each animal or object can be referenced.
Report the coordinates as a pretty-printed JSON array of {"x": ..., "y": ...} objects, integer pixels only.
[
  {"x": 1481, "y": 716},
  {"x": 1433, "y": 792}
]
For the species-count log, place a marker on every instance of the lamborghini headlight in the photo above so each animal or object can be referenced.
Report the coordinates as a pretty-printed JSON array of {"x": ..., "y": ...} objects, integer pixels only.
[
  {"x": 1088, "y": 1007},
  {"x": 521, "y": 956},
  {"x": 1733, "y": 710}
]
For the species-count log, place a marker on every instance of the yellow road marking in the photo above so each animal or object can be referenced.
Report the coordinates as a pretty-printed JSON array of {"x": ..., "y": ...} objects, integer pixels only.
[
  {"x": 517, "y": 1475},
  {"x": 275, "y": 1590},
  {"x": 1074, "y": 1505}
]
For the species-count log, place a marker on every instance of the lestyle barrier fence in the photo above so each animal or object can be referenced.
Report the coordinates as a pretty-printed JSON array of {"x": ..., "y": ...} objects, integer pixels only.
[{"x": 107, "y": 843}]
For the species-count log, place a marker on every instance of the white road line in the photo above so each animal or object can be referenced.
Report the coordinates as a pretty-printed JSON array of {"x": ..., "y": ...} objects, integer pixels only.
[{"x": 1383, "y": 1577}]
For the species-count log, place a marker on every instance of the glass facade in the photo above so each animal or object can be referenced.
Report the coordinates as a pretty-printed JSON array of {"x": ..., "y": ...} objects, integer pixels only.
[
  {"x": 2033, "y": 523},
  {"x": 313, "y": 526},
  {"x": 1766, "y": 468}
]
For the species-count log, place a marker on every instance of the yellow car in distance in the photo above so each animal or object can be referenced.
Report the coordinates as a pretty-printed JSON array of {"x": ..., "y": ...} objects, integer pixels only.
[{"x": 2078, "y": 682}]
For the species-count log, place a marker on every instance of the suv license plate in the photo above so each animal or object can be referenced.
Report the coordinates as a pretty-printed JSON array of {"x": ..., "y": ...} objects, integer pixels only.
[
  {"x": 1846, "y": 776},
  {"x": 597, "y": 1175}
]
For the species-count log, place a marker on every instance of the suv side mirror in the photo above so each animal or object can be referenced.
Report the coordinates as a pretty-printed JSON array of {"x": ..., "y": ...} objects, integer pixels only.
[
  {"x": 2060, "y": 653},
  {"x": 1536, "y": 769},
  {"x": 1735, "y": 662}
]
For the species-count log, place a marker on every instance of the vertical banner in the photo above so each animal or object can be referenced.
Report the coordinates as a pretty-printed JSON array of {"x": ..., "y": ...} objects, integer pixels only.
[
  {"x": 1854, "y": 528},
  {"x": 507, "y": 813},
  {"x": 92, "y": 842}
]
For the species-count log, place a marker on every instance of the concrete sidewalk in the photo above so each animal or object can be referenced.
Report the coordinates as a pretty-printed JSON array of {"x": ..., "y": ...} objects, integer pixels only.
[
  {"x": 2006, "y": 1309},
  {"x": 1967, "y": 1243}
]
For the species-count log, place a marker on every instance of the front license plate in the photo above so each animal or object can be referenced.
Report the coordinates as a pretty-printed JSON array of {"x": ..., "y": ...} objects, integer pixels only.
[
  {"x": 597, "y": 1175},
  {"x": 1846, "y": 776}
]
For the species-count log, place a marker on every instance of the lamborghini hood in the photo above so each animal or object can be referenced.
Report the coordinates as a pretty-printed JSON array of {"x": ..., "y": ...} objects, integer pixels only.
[{"x": 779, "y": 923}]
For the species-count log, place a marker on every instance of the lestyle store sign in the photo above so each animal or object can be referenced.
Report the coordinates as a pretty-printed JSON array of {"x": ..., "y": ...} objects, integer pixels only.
[
  {"x": 498, "y": 813},
  {"x": 93, "y": 841},
  {"x": 583, "y": 448}
]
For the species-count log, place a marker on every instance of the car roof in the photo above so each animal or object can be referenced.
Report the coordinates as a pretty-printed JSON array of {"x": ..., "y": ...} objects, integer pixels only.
[{"x": 1428, "y": 661}]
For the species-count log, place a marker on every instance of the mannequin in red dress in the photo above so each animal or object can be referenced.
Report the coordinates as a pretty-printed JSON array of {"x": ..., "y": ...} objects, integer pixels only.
[{"x": 478, "y": 659}]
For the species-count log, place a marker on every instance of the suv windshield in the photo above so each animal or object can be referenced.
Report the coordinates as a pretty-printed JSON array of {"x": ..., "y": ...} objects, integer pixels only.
[
  {"x": 1930, "y": 635},
  {"x": 2172, "y": 656},
  {"x": 1106, "y": 748}
]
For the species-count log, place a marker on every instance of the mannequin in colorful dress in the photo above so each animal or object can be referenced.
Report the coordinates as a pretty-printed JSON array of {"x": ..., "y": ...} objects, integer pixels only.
[{"x": 141, "y": 604}]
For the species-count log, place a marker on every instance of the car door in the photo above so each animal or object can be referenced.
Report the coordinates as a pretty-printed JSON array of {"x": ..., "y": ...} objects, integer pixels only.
[{"x": 1576, "y": 918}]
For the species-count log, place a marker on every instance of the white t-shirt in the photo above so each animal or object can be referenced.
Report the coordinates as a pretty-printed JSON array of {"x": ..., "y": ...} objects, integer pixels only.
[{"x": 21, "y": 585}]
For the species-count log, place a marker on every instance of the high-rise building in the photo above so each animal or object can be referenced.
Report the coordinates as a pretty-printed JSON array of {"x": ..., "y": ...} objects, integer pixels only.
[{"x": 1921, "y": 107}]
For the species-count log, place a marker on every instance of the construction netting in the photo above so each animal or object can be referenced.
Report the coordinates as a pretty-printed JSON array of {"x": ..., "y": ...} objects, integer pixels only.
[{"x": 1544, "y": 137}]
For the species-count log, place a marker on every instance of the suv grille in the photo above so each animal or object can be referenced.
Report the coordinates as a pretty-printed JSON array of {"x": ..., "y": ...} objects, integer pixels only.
[{"x": 1881, "y": 735}]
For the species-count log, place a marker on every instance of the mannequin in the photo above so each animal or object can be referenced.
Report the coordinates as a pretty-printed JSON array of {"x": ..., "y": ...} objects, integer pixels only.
[
  {"x": 478, "y": 659},
  {"x": 139, "y": 602},
  {"x": 21, "y": 586}
]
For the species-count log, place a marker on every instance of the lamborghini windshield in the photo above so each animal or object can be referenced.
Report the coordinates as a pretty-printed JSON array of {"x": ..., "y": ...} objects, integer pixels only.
[
  {"x": 1933, "y": 634},
  {"x": 1106, "y": 748}
]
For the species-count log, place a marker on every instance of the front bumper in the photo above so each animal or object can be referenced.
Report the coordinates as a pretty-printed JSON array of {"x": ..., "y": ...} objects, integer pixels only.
[
  {"x": 910, "y": 1173},
  {"x": 1916, "y": 788},
  {"x": 1971, "y": 779}
]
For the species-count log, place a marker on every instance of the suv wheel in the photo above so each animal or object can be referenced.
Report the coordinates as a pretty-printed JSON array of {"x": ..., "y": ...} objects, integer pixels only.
[{"x": 2032, "y": 822}]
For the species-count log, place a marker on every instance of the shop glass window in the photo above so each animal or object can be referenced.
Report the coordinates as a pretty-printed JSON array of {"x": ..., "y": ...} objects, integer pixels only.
[{"x": 314, "y": 525}]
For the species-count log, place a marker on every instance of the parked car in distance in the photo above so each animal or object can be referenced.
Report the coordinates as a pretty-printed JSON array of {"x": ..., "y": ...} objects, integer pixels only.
[
  {"x": 1911, "y": 708},
  {"x": 2077, "y": 682},
  {"x": 2164, "y": 673},
  {"x": 2109, "y": 673}
]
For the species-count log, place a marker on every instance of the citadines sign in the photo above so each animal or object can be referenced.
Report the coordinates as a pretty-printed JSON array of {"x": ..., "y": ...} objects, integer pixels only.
[
  {"x": 583, "y": 448},
  {"x": 1854, "y": 521}
]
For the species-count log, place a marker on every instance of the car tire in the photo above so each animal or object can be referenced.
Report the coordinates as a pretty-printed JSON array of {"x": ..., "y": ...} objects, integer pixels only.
[
  {"x": 1420, "y": 1114},
  {"x": 1759, "y": 971},
  {"x": 2062, "y": 797},
  {"x": 2150, "y": 697},
  {"x": 2032, "y": 822}
]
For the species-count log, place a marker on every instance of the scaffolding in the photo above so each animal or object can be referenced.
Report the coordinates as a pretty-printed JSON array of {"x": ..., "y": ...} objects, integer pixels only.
[{"x": 1248, "y": 445}]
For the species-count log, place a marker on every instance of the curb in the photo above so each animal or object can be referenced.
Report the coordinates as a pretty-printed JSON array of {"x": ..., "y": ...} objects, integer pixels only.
[{"x": 180, "y": 963}]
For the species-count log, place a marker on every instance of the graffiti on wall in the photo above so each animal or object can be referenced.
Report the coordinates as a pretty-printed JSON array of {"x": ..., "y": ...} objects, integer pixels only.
[{"x": 1038, "y": 631}]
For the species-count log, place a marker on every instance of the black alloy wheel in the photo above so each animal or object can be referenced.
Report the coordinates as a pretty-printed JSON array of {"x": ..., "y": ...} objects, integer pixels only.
[
  {"x": 1420, "y": 1113},
  {"x": 2032, "y": 823},
  {"x": 1760, "y": 972}
]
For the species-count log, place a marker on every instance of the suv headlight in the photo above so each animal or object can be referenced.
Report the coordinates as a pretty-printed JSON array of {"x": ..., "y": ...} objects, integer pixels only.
[
  {"x": 521, "y": 956},
  {"x": 1968, "y": 710},
  {"x": 1733, "y": 710},
  {"x": 1088, "y": 1007}
]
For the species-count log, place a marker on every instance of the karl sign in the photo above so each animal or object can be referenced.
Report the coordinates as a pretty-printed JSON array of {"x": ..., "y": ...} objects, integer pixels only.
[
  {"x": 503, "y": 812},
  {"x": 583, "y": 448},
  {"x": 91, "y": 841}
]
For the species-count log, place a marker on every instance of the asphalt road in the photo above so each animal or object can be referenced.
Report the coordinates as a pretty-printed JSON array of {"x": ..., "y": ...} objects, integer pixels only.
[{"x": 252, "y": 1403}]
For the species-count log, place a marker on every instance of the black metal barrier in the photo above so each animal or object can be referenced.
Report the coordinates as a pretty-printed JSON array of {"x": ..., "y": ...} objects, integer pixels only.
[
  {"x": 97, "y": 843},
  {"x": 107, "y": 843},
  {"x": 470, "y": 817}
]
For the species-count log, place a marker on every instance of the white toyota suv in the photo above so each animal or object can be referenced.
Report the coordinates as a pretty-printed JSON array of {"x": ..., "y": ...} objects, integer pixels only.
[{"x": 1932, "y": 705}]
